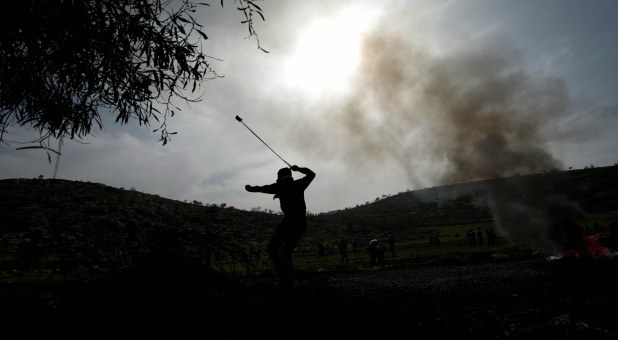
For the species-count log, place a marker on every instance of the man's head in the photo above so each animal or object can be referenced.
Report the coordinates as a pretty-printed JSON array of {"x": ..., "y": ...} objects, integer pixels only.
[{"x": 283, "y": 173}]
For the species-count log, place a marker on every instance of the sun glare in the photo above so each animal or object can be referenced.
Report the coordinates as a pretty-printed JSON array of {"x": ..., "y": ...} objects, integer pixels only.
[{"x": 326, "y": 52}]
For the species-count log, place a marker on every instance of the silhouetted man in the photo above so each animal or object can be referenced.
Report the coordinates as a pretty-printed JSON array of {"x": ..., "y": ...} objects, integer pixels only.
[{"x": 291, "y": 195}]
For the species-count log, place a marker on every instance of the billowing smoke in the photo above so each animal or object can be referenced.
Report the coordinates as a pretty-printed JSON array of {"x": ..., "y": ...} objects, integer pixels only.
[
  {"x": 530, "y": 209},
  {"x": 467, "y": 115}
]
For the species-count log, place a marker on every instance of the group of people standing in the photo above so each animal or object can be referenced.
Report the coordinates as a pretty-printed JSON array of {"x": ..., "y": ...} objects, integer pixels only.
[
  {"x": 375, "y": 249},
  {"x": 475, "y": 237}
]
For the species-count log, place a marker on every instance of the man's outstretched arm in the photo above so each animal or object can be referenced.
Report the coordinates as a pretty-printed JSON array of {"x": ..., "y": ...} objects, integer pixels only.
[{"x": 266, "y": 189}]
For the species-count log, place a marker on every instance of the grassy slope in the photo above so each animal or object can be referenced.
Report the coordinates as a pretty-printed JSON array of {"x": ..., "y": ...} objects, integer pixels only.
[{"x": 75, "y": 227}]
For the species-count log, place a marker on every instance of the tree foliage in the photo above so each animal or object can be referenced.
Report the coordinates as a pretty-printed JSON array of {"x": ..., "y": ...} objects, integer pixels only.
[{"x": 64, "y": 64}]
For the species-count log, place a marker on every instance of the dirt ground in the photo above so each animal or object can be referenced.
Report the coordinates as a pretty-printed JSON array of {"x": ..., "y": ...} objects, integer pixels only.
[
  {"x": 518, "y": 299},
  {"x": 524, "y": 298},
  {"x": 509, "y": 298}
]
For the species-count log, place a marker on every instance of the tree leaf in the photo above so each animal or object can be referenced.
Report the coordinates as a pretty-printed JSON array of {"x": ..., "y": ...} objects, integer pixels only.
[{"x": 254, "y": 5}]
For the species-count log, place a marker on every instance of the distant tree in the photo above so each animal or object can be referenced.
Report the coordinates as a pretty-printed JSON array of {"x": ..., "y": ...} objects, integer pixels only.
[{"x": 65, "y": 63}]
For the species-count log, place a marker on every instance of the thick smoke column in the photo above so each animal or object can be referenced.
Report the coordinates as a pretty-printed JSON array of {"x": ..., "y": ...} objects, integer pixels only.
[{"x": 469, "y": 115}]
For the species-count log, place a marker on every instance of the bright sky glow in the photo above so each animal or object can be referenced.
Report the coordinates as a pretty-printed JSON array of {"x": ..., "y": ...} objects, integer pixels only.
[{"x": 327, "y": 51}]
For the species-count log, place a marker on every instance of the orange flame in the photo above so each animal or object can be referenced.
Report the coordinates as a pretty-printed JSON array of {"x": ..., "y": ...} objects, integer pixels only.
[{"x": 591, "y": 248}]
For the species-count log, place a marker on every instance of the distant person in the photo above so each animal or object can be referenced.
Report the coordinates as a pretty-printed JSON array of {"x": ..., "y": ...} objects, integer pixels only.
[
  {"x": 342, "y": 243},
  {"x": 291, "y": 195},
  {"x": 376, "y": 253},
  {"x": 471, "y": 236},
  {"x": 479, "y": 237},
  {"x": 391, "y": 243}
]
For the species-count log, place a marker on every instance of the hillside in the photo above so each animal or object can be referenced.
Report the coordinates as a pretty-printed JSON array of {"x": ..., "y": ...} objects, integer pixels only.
[
  {"x": 593, "y": 190},
  {"x": 86, "y": 257},
  {"x": 91, "y": 225},
  {"x": 596, "y": 189}
]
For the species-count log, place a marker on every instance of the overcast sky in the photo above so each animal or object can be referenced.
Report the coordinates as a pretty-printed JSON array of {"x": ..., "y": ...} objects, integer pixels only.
[{"x": 377, "y": 97}]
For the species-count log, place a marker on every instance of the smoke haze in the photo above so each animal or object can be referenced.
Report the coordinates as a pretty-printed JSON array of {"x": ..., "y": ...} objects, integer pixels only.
[{"x": 468, "y": 115}]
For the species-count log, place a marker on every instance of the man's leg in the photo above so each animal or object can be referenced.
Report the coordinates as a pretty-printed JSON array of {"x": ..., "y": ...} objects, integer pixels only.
[
  {"x": 292, "y": 238},
  {"x": 273, "y": 248}
]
